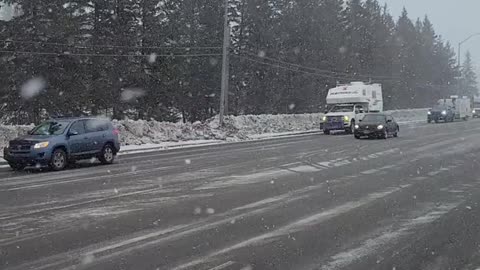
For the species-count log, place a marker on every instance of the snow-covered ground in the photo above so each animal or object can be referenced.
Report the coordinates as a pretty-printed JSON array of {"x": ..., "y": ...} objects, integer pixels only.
[{"x": 152, "y": 135}]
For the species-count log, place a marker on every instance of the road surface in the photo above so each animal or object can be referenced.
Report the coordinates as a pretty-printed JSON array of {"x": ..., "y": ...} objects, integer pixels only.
[{"x": 309, "y": 202}]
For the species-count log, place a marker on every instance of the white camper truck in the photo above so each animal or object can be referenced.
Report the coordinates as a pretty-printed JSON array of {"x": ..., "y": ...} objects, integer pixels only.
[{"x": 349, "y": 103}]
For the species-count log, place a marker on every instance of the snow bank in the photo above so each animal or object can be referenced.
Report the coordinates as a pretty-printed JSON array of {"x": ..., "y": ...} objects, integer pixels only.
[
  {"x": 9, "y": 132},
  {"x": 237, "y": 128},
  {"x": 412, "y": 115}
]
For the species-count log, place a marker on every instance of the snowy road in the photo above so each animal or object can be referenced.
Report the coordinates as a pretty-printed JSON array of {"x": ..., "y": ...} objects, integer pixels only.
[{"x": 310, "y": 202}]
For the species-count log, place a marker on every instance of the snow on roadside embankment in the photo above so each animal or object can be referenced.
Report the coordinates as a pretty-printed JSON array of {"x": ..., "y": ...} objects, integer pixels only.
[{"x": 237, "y": 128}]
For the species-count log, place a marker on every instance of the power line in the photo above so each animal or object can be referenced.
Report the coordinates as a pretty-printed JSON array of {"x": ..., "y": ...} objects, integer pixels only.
[
  {"x": 297, "y": 70},
  {"x": 320, "y": 70},
  {"x": 77, "y": 46},
  {"x": 109, "y": 55}
]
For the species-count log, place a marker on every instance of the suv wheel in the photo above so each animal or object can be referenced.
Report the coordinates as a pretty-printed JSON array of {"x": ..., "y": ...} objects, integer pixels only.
[
  {"x": 59, "y": 160},
  {"x": 16, "y": 166},
  {"x": 107, "y": 156}
]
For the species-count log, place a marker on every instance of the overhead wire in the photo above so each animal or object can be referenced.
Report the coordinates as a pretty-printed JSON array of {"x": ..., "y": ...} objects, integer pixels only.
[
  {"x": 300, "y": 71},
  {"x": 109, "y": 55},
  {"x": 321, "y": 70},
  {"x": 79, "y": 46}
]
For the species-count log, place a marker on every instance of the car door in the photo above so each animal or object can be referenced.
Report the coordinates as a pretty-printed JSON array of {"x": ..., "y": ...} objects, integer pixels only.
[
  {"x": 391, "y": 126},
  {"x": 77, "y": 140},
  {"x": 96, "y": 134}
]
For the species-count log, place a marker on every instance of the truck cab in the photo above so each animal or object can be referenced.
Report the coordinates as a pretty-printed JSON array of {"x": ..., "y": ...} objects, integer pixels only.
[
  {"x": 340, "y": 117},
  {"x": 348, "y": 104}
]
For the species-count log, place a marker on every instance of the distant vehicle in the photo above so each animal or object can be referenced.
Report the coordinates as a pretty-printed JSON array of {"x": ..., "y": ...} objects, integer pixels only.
[
  {"x": 449, "y": 110},
  {"x": 476, "y": 107},
  {"x": 55, "y": 143},
  {"x": 349, "y": 103},
  {"x": 377, "y": 125}
]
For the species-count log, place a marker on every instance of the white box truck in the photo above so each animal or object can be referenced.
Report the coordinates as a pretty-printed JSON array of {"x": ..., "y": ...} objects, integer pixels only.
[
  {"x": 451, "y": 109},
  {"x": 476, "y": 107},
  {"x": 348, "y": 103}
]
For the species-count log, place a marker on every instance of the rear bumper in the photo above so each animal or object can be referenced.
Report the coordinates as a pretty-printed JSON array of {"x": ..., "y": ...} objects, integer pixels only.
[{"x": 27, "y": 158}]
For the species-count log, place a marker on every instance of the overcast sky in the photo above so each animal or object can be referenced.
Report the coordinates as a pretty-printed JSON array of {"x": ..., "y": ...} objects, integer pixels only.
[{"x": 453, "y": 19}]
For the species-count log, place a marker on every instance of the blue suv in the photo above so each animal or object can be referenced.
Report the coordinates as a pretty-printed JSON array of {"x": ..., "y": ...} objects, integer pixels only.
[{"x": 58, "y": 142}]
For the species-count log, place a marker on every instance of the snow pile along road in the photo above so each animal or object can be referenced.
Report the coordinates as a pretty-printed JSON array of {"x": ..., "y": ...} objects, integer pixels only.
[
  {"x": 410, "y": 116},
  {"x": 7, "y": 133},
  {"x": 237, "y": 128}
]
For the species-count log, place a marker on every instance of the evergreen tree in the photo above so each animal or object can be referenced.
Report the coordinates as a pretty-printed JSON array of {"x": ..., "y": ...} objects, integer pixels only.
[{"x": 469, "y": 86}]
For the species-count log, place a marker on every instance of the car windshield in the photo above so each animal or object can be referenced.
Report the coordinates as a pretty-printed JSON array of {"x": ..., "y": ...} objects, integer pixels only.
[
  {"x": 337, "y": 109},
  {"x": 50, "y": 128},
  {"x": 374, "y": 118},
  {"x": 440, "y": 108}
]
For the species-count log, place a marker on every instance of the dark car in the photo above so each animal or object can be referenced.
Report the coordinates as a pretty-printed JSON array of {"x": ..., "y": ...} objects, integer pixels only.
[
  {"x": 377, "y": 125},
  {"x": 57, "y": 142},
  {"x": 441, "y": 113}
]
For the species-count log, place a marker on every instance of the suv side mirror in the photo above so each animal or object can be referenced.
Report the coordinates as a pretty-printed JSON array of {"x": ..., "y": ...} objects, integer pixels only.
[
  {"x": 72, "y": 133},
  {"x": 389, "y": 121}
]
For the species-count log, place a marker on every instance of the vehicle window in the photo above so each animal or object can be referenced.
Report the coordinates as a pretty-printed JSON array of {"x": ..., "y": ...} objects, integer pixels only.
[
  {"x": 78, "y": 127},
  {"x": 94, "y": 125},
  {"x": 374, "y": 94},
  {"x": 364, "y": 92},
  {"x": 50, "y": 128},
  {"x": 374, "y": 118},
  {"x": 342, "y": 109}
]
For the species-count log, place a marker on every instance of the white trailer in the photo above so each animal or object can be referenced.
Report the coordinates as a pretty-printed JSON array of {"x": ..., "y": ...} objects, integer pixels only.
[
  {"x": 349, "y": 103},
  {"x": 461, "y": 106}
]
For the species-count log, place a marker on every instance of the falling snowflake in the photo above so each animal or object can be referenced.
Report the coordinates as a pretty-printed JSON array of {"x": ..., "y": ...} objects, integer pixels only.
[
  {"x": 115, "y": 190},
  {"x": 291, "y": 106},
  {"x": 210, "y": 211},
  {"x": 152, "y": 58},
  {"x": 213, "y": 61},
  {"x": 188, "y": 161},
  {"x": 87, "y": 259},
  {"x": 197, "y": 211},
  {"x": 132, "y": 94},
  {"x": 33, "y": 87},
  {"x": 262, "y": 54}
]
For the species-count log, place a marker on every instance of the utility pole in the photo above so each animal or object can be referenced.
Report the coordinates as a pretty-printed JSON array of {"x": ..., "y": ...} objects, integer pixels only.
[
  {"x": 225, "y": 67},
  {"x": 460, "y": 48}
]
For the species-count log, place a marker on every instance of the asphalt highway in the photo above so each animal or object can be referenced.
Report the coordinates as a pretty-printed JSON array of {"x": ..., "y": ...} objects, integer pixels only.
[{"x": 305, "y": 202}]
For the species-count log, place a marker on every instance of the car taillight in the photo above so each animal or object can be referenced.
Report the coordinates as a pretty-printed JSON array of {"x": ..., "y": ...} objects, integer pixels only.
[{"x": 116, "y": 132}]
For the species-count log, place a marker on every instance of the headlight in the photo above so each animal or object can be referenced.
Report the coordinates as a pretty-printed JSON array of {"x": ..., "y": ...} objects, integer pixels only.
[
  {"x": 346, "y": 118},
  {"x": 357, "y": 126},
  {"x": 41, "y": 145},
  {"x": 429, "y": 113},
  {"x": 324, "y": 118},
  {"x": 444, "y": 112},
  {"x": 380, "y": 127},
  {"x": 474, "y": 111}
]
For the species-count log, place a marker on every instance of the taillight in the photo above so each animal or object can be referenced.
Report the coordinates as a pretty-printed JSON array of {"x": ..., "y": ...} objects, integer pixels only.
[{"x": 116, "y": 132}]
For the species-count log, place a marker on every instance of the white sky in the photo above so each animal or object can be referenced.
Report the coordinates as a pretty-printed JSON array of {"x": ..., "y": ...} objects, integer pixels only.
[{"x": 454, "y": 20}]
